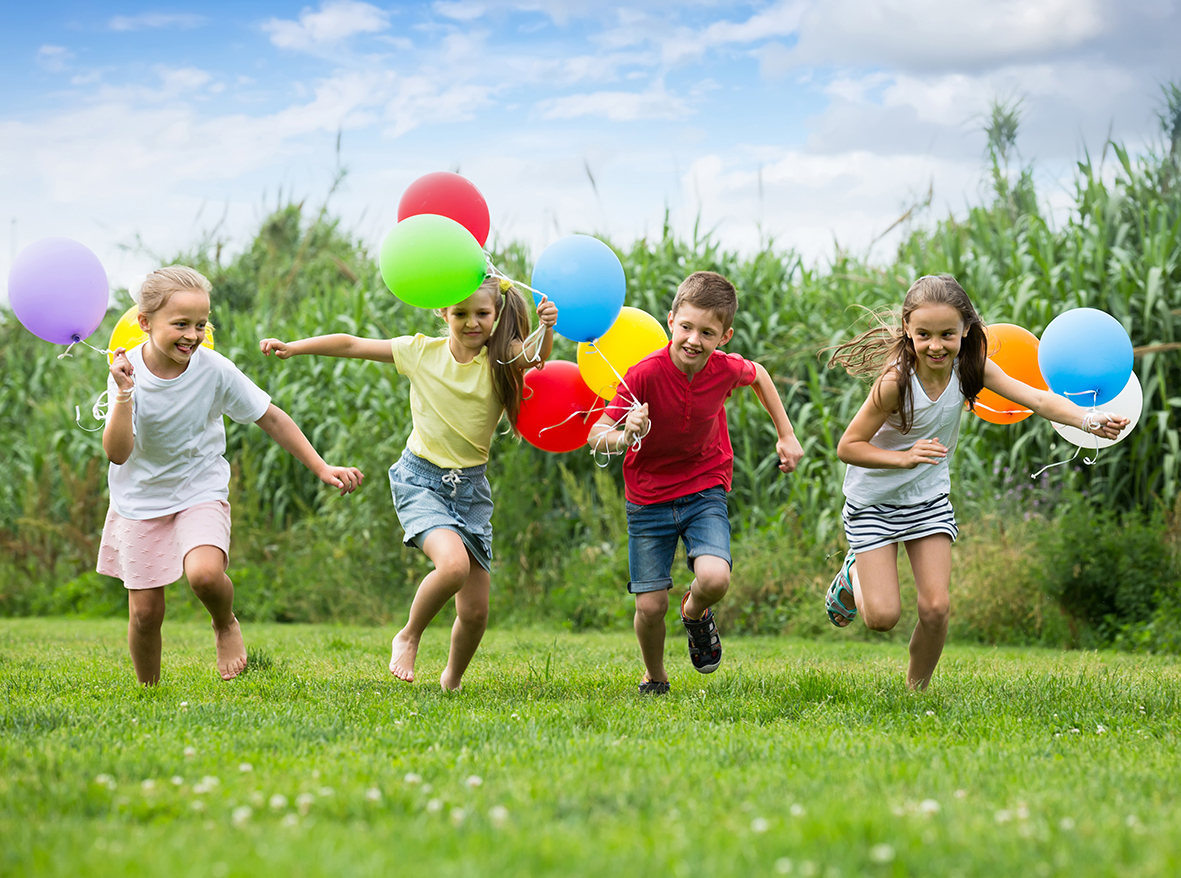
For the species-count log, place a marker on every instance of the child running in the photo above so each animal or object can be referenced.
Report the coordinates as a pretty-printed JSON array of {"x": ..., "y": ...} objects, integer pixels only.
[
  {"x": 460, "y": 385},
  {"x": 898, "y": 449},
  {"x": 169, "y": 479},
  {"x": 676, "y": 477}
]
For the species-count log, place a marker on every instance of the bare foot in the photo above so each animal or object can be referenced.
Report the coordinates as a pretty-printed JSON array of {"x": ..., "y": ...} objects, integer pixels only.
[
  {"x": 446, "y": 682},
  {"x": 231, "y": 651},
  {"x": 402, "y": 655}
]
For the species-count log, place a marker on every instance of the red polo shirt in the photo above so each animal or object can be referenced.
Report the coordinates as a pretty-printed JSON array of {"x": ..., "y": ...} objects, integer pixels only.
[{"x": 687, "y": 448}]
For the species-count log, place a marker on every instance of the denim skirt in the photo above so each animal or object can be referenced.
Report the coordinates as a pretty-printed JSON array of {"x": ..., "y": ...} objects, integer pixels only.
[{"x": 427, "y": 497}]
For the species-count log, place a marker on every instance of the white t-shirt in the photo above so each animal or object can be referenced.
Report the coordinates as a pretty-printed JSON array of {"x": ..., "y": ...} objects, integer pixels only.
[
  {"x": 178, "y": 459},
  {"x": 870, "y": 486}
]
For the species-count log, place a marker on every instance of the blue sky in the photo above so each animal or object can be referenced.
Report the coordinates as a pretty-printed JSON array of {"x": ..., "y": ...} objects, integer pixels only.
[{"x": 813, "y": 122}]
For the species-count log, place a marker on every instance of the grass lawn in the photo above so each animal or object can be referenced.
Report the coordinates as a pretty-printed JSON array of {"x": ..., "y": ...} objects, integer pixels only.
[{"x": 797, "y": 757}]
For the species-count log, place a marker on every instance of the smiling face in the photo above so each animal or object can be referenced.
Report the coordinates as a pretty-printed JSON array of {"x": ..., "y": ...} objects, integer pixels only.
[
  {"x": 696, "y": 332},
  {"x": 471, "y": 323},
  {"x": 936, "y": 331},
  {"x": 175, "y": 330}
]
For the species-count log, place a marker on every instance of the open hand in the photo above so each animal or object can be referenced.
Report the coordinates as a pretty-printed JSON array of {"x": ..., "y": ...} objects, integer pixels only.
[
  {"x": 122, "y": 370},
  {"x": 547, "y": 312},
  {"x": 925, "y": 451},
  {"x": 347, "y": 478},
  {"x": 273, "y": 346}
]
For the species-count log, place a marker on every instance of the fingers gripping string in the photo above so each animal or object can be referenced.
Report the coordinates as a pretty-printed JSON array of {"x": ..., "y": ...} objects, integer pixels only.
[
  {"x": 1090, "y": 421},
  {"x": 536, "y": 337}
]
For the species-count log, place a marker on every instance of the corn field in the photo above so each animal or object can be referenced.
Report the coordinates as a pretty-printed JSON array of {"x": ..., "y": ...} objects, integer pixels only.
[{"x": 1119, "y": 250}]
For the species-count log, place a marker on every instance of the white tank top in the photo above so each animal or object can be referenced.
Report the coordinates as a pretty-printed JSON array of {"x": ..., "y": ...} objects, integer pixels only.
[{"x": 865, "y": 486}]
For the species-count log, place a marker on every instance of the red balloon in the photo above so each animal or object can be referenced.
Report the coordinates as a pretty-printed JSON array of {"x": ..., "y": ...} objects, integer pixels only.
[
  {"x": 448, "y": 195},
  {"x": 554, "y": 412}
]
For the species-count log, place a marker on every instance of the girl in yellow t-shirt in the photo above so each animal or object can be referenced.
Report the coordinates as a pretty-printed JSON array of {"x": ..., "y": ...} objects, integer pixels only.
[{"x": 460, "y": 385}]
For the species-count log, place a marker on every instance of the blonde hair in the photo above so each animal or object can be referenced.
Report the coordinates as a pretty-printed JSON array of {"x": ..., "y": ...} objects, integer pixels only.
[
  {"x": 159, "y": 286},
  {"x": 708, "y": 291}
]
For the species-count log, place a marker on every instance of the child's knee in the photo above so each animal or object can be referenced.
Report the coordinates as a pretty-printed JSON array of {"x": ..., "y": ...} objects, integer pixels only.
[
  {"x": 454, "y": 569},
  {"x": 473, "y": 616},
  {"x": 652, "y": 605},
  {"x": 146, "y": 616},
  {"x": 204, "y": 579},
  {"x": 713, "y": 582},
  {"x": 934, "y": 612},
  {"x": 881, "y": 618}
]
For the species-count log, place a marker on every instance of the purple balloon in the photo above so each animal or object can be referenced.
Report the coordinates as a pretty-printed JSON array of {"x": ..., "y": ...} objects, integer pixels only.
[{"x": 58, "y": 290}]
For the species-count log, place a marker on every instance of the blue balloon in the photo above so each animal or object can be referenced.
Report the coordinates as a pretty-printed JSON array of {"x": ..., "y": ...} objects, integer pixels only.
[
  {"x": 584, "y": 278},
  {"x": 1086, "y": 356}
]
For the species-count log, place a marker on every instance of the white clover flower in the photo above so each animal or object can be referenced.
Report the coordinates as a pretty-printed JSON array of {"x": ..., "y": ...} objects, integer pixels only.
[
  {"x": 498, "y": 814},
  {"x": 148, "y": 785},
  {"x": 474, "y": 781},
  {"x": 241, "y": 814},
  {"x": 245, "y": 767},
  {"x": 434, "y": 806},
  {"x": 1002, "y": 816},
  {"x": 458, "y": 815},
  {"x": 928, "y": 806},
  {"x": 412, "y": 778},
  {"x": 797, "y": 810},
  {"x": 278, "y": 802},
  {"x": 177, "y": 780},
  {"x": 960, "y": 794},
  {"x": 197, "y": 805},
  {"x": 1066, "y": 824},
  {"x": 1022, "y": 811},
  {"x": 105, "y": 780},
  {"x": 929, "y": 713},
  {"x": 190, "y": 752},
  {"x": 783, "y": 866},
  {"x": 1099, "y": 730},
  {"x": 257, "y": 798},
  {"x": 373, "y": 794},
  {"x": 881, "y": 853},
  {"x": 291, "y": 820},
  {"x": 325, "y": 792},
  {"x": 304, "y": 802},
  {"x": 759, "y": 824}
]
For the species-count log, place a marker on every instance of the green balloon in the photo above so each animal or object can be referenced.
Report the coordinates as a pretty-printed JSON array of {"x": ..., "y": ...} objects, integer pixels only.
[{"x": 431, "y": 261}]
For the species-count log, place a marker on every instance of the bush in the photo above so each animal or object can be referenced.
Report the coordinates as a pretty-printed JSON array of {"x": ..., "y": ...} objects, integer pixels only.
[{"x": 1108, "y": 571}]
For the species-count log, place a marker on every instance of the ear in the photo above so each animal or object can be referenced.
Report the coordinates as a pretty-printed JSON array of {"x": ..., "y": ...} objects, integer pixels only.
[
  {"x": 726, "y": 336},
  {"x": 672, "y": 315},
  {"x": 144, "y": 325}
]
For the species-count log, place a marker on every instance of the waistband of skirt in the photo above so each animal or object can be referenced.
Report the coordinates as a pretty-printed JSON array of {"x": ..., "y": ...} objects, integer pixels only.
[{"x": 426, "y": 468}]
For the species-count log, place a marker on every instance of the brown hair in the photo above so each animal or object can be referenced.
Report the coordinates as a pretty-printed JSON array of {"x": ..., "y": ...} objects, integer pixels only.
[
  {"x": 512, "y": 325},
  {"x": 887, "y": 348},
  {"x": 708, "y": 291},
  {"x": 159, "y": 286}
]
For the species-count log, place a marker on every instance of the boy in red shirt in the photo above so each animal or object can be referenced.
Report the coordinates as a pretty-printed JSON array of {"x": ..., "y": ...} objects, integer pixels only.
[{"x": 676, "y": 479}]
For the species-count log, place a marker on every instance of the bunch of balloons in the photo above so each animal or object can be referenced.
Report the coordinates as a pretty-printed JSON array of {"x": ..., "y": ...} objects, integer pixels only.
[
  {"x": 434, "y": 257},
  {"x": 1084, "y": 354},
  {"x": 58, "y": 290}
]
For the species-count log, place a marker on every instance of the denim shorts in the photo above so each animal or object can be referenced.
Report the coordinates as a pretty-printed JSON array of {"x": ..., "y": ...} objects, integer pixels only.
[
  {"x": 427, "y": 497},
  {"x": 653, "y": 530}
]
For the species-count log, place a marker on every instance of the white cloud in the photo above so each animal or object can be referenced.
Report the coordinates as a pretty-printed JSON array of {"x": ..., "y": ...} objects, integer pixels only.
[
  {"x": 155, "y": 20},
  {"x": 55, "y": 59},
  {"x": 460, "y": 11},
  {"x": 617, "y": 106},
  {"x": 336, "y": 21}
]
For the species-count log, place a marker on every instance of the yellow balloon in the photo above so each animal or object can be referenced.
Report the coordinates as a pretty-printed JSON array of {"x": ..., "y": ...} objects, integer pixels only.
[
  {"x": 127, "y": 333},
  {"x": 632, "y": 336}
]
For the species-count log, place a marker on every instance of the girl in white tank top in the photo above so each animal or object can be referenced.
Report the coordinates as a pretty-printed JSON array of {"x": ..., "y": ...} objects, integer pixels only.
[{"x": 898, "y": 448}]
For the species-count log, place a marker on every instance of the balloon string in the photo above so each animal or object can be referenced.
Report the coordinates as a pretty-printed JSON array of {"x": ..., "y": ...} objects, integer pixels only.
[
  {"x": 100, "y": 411},
  {"x": 981, "y": 405},
  {"x": 638, "y": 442},
  {"x": 77, "y": 341},
  {"x": 1089, "y": 461},
  {"x": 496, "y": 272}
]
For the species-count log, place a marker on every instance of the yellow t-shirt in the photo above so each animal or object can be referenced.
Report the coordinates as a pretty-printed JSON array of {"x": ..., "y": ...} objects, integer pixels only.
[{"x": 453, "y": 406}]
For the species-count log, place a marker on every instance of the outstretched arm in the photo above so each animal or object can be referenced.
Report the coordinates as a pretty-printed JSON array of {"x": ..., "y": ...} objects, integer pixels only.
[
  {"x": 788, "y": 446},
  {"x": 336, "y": 345},
  {"x": 1050, "y": 405},
  {"x": 279, "y": 426}
]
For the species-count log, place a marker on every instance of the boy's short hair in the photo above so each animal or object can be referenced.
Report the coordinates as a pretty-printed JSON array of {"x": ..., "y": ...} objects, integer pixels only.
[{"x": 708, "y": 291}]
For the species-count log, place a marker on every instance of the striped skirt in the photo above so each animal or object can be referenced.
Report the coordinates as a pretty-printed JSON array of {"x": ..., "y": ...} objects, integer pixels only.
[{"x": 871, "y": 527}]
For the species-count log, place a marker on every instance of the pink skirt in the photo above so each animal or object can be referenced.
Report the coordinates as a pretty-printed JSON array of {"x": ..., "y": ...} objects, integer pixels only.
[{"x": 151, "y": 553}]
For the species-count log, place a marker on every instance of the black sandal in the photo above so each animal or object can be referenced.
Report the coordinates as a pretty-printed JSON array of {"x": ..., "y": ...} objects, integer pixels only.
[
  {"x": 705, "y": 645},
  {"x": 654, "y": 687}
]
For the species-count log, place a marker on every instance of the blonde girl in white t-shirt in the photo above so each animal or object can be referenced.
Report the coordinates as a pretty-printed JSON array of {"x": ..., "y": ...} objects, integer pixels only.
[
  {"x": 460, "y": 385},
  {"x": 169, "y": 479}
]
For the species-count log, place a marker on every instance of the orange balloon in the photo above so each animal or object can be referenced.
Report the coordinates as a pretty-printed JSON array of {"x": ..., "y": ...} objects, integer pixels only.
[{"x": 1015, "y": 350}]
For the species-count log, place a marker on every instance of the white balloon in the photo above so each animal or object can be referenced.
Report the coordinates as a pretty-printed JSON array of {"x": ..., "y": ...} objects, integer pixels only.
[{"x": 1129, "y": 403}]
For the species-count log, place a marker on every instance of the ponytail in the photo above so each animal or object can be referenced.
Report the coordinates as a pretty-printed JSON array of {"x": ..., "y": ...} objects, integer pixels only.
[{"x": 512, "y": 328}]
